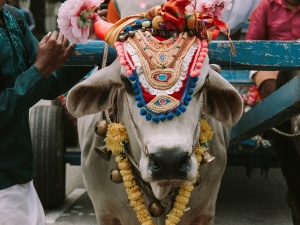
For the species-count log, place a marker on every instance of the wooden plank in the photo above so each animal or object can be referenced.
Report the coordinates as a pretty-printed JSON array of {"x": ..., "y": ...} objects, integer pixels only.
[
  {"x": 90, "y": 54},
  {"x": 263, "y": 55},
  {"x": 277, "y": 108},
  {"x": 254, "y": 55}
]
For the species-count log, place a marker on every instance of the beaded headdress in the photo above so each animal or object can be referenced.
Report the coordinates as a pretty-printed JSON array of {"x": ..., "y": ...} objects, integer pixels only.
[{"x": 163, "y": 51}]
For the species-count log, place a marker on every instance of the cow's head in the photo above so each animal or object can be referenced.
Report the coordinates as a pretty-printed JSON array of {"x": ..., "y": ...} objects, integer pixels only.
[
  {"x": 168, "y": 158},
  {"x": 163, "y": 150}
]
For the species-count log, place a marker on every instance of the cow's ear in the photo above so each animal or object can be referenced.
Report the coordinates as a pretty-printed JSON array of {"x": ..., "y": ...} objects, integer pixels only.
[
  {"x": 222, "y": 100},
  {"x": 96, "y": 93}
]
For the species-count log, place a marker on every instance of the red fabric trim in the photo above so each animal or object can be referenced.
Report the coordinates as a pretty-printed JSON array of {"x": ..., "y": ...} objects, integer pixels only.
[{"x": 178, "y": 95}]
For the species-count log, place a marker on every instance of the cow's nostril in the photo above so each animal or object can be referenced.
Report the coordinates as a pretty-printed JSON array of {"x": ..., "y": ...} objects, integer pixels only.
[
  {"x": 169, "y": 165},
  {"x": 155, "y": 166},
  {"x": 185, "y": 164}
]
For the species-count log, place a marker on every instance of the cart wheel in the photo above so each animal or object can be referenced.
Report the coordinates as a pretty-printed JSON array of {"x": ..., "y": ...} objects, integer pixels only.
[{"x": 47, "y": 133}]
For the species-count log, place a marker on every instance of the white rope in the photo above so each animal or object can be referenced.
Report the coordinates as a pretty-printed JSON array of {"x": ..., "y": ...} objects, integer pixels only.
[
  {"x": 285, "y": 134},
  {"x": 198, "y": 125},
  {"x": 105, "y": 55},
  {"x": 104, "y": 61},
  {"x": 134, "y": 127}
]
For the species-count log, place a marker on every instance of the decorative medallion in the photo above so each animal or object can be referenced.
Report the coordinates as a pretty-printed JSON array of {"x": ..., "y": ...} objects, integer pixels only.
[
  {"x": 163, "y": 70},
  {"x": 162, "y": 103}
]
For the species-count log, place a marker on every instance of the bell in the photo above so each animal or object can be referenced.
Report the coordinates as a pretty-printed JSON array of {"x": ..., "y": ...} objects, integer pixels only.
[
  {"x": 155, "y": 208},
  {"x": 103, "y": 152},
  {"x": 206, "y": 157},
  {"x": 101, "y": 128},
  {"x": 116, "y": 176}
]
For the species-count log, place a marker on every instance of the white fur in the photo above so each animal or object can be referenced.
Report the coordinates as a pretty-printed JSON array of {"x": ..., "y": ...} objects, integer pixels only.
[{"x": 221, "y": 102}]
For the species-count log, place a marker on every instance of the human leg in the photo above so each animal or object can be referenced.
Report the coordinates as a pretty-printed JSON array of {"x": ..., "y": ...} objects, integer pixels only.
[
  {"x": 287, "y": 152},
  {"x": 20, "y": 205}
]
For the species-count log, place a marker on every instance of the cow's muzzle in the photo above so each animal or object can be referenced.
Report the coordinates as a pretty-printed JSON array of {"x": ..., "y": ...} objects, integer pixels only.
[{"x": 169, "y": 165}]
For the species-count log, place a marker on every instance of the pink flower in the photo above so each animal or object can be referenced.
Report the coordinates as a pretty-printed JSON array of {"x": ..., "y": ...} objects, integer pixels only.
[
  {"x": 213, "y": 7},
  {"x": 75, "y": 18}
]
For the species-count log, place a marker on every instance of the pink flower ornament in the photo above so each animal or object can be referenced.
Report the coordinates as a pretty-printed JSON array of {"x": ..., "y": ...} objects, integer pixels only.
[
  {"x": 75, "y": 18},
  {"x": 213, "y": 7}
]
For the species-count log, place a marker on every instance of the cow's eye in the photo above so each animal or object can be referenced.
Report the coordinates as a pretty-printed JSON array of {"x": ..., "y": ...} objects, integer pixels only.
[{"x": 127, "y": 85}]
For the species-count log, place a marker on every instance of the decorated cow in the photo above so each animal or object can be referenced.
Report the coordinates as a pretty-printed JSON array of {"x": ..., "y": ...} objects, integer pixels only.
[{"x": 154, "y": 125}]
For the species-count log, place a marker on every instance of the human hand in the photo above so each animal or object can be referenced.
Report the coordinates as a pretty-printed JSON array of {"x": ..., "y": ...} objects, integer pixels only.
[
  {"x": 53, "y": 51},
  {"x": 267, "y": 87}
]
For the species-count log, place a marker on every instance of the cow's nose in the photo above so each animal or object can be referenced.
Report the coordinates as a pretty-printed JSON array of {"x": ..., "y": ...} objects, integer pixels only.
[{"x": 169, "y": 165}]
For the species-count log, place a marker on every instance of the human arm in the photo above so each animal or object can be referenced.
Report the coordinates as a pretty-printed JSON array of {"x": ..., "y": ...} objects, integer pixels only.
[
  {"x": 258, "y": 28},
  {"x": 37, "y": 82}
]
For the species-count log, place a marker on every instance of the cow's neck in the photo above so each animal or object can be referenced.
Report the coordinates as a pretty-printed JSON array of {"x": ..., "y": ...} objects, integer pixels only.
[{"x": 130, "y": 181}]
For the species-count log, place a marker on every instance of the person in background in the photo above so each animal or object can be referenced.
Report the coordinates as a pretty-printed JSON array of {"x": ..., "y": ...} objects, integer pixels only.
[
  {"x": 273, "y": 20},
  {"x": 29, "y": 71},
  {"x": 27, "y": 13},
  {"x": 279, "y": 20},
  {"x": 238, "y": 16}
]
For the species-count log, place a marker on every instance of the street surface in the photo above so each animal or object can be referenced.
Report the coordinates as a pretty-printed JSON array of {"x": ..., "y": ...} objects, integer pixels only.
[{"x": 242, "y": 200}]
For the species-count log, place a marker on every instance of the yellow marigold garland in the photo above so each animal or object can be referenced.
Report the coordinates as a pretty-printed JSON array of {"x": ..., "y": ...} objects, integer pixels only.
[
  {"x": 115, "y": 139},
  {"x": 206, "y": 133},
  {"x": 116, "y": 136}
]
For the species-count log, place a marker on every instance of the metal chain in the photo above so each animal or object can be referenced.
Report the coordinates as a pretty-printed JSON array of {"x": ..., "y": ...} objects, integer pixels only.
[{"x": 285, "y": 134}]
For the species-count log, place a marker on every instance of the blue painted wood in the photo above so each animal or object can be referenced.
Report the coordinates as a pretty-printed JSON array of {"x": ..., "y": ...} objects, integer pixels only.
[
  {"x": 263, "y": 55},
  {"x": 90, "y": 54},
  {"x": 252, "y": 55},
  {"x": 277, "y": 108},
  {"x": 73, "y": 158},
  {"x": 237, "y": 76}
]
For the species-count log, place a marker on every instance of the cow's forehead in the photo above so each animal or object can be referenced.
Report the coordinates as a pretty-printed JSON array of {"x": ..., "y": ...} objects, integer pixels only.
[{"x": 132, "y": 7}]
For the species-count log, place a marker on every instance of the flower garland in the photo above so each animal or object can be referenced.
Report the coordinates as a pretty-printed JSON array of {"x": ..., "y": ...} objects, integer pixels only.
[
  {"x": 75, "y": 18},
  {"x": 198, "y": 16},
  {"x": 115, "y": 141}
]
